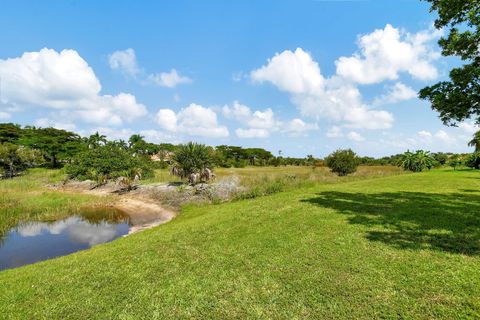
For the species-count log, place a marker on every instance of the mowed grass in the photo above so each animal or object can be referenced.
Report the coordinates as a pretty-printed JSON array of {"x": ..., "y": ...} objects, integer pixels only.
[
  {"x": 30, "y": 197},
  {"x": 397, "y": 247}
]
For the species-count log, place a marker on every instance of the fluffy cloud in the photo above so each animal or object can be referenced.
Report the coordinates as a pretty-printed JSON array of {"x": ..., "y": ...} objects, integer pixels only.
[
  {"x": 47, "y": 123},
  {"x": 298, "y": 126},
  {"x": 169, "y": 79},
  {"x": 317, "y": 97},
  {"x": 469, "y": 127},
  {"x": 355, "y": 136},
  {"x": 293, "y": 72},
  {"x": 386, "y": 52},
  {"x": 64, "y": 81},
  {"x": 260, "y": 124},
  {"x": 124, "y": 61},
  {"x": 252, "y": 133},
  {"x": 396, "y": 93},
  {"x": 194, "y": 120}
]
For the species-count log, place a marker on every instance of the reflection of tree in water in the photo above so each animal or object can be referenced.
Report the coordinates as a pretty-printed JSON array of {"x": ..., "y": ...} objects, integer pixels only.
[
  {"x": 94, "y": 216},
  {"x": 101, "y": 215}
]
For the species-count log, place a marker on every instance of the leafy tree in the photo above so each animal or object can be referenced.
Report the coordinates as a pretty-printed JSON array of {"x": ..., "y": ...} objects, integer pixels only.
[
  {"x": 193, "y": 161},
  {"x": 10, "y": 132},
  {"x": 440, "y": 157},
  {"x": 55, "y": 144},
  {"x": 455, "y": 162},
  {"x": 418, "y": 161},
  {"x": 475, "y": 142},
  {"x": 15, "y": 159},
  {"x": 473, "y": 161},
  {"x": 343, "y": 162},
  {"x": 96, "y": 140},
  {"x": 108, "y": 162},
  {"x": 459, "y": 98}
]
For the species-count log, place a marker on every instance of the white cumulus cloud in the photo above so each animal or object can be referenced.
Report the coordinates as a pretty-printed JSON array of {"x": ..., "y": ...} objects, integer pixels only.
[
  {"x": 396, "y": 93},
  {"x": 333, "y": 98},
  {"x": 125, "y": 61},
  {"x": 64, "y": 81},
  {"x": 169, "y": 79},
  {"x": 193, "y": 120},
  {"x": 387, "y": 52}
]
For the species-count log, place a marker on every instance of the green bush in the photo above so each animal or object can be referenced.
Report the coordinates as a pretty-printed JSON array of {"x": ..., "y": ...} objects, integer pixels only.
[
  {"x": 343, "y": 162},
  {"x": 418, "y": 161},
  {"x": 108, "y": 162},
  {"x": 15, "y": 159},
  {"x": 473, "y": 161}
]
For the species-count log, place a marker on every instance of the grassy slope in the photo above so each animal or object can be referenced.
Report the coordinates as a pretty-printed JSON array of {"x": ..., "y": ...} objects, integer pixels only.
[{"x": 404, "y": 246}]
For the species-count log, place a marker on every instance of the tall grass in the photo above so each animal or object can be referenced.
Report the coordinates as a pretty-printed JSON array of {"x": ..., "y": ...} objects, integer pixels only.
[{"x": 31, "y": 197}]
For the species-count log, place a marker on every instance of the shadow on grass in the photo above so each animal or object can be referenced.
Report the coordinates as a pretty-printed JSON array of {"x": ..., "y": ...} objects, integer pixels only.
[{"x": 412, "y": 220}]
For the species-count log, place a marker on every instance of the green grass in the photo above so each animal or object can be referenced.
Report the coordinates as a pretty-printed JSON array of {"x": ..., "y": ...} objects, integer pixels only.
[
  {"x": 250, "y": 175},
  {"x": 28, "y": 197},
  {"x": 398, "y": 247}
]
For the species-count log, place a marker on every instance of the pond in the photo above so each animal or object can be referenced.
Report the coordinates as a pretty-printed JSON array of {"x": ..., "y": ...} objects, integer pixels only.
[{"x": 35, "y": 241}]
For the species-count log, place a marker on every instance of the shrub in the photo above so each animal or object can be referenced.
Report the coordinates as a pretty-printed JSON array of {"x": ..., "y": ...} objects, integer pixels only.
[
  {"x": 343, "y": 162},
  {"x": 193, "y": 161},
  {"x": 455, "y": 162},
  {"x": 15, "y": 159},
  {"x": 108, "y": 162},
  {"x": 473, "y": 161},
  {"x": 418, "y": 161}
]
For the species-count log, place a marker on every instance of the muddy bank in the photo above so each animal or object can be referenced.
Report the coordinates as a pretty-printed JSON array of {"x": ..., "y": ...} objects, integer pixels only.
[{"x": 143, "y": 211}]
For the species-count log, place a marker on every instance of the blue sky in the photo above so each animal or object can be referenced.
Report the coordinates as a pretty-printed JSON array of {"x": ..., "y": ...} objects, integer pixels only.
[{"x": 304, "y": 77}]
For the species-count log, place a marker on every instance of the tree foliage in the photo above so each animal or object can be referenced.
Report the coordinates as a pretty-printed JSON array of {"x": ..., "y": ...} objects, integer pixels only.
[
  {"x": 475, "y": 142},
  {"x": 473, "y": 161},
  {"x": 108, "y": 162},
  {"x": 193, "y": 161},
  {"x": 15, "y": 159},
  {"x": 459, "y": 98},
  {"x": 417, "y": 161},
  {"x": 343, "y": 162}
]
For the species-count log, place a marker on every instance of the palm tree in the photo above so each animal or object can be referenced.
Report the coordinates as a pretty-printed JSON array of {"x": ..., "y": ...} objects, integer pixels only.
[
  {"x": 475, "y": 142},
  {"x": 418, "y": 161},
  {"x": 96, "y": 140},
  {"x": 193, "y": 161}
]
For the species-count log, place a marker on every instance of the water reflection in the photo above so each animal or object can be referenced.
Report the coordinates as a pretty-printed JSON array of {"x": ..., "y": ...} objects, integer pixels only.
[{"x": 35, "y": 241}]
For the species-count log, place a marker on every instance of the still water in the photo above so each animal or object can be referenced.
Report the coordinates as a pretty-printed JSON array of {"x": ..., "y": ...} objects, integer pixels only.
[{"x": 33, "y": 241}]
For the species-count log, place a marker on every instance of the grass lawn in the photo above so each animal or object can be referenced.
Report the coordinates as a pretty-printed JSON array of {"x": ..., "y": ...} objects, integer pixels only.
[{"x": 403, "y": 246}]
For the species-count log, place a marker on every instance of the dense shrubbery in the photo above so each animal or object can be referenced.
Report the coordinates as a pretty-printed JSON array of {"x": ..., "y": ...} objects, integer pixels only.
[
  {"x": 473, "y": 161},
  {"x": 418, "y": 161},
  {"x": 108, "y": 162},
  {"x": 343, "y": 162},
  {"x": 15, "y": 159}
]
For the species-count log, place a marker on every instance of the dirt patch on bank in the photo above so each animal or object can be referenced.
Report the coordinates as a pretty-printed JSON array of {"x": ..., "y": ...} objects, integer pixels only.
[{"x": 143, "y": 211}]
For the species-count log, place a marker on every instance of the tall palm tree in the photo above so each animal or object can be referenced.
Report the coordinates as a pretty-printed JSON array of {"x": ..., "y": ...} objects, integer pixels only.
[
  {"x": 96, "y": 140},
  {"x": 475, "y": 142}
]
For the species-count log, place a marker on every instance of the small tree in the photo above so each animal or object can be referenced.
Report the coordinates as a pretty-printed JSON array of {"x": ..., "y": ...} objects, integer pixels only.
[
  {"x": 473, "y": 161},
  {"x": 15, "y": 159},
  {"x": 455, "y": 162},
  {"x": 108, "y": 162},
  {"x": 418, "y": 161},
  {"x": 343, "y": 162},
  {"x": 193, "y": 161}
]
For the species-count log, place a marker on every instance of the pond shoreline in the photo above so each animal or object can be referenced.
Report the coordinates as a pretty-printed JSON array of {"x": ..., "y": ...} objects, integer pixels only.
[{"x": 143, "y": 211}]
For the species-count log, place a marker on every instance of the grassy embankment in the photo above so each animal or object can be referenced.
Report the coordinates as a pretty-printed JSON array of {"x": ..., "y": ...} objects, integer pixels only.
[{"x": 404, "y": 246}]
